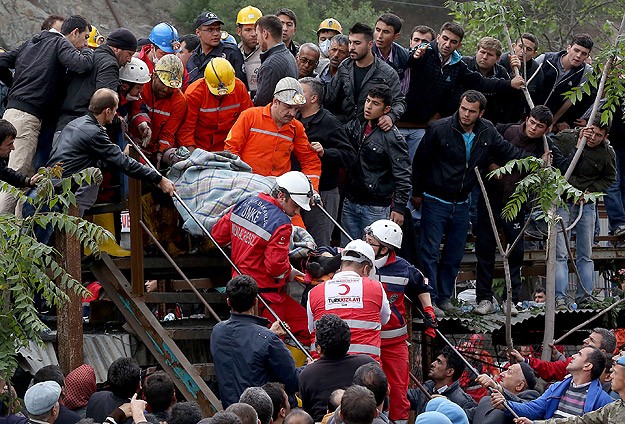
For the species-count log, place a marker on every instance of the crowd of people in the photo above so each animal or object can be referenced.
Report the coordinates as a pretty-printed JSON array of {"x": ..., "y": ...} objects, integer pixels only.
[{"x": 382, "y": 139}]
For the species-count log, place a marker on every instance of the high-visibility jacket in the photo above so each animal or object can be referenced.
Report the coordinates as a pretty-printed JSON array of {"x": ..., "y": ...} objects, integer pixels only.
[
  {"x": 260, "y": 233},
  {"x": 210, "y": 117},
  {"x": 257, "y": 140},
  {"x": 359, "y": 301},
  {"x": 398, "y": 276},
  {"x": 166, "y": 115}
]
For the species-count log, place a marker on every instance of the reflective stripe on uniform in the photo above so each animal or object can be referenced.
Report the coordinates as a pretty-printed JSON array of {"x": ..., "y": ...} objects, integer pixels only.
[
  {"x": 400, "y": 281},
  {"x": 361, "y": 348},
  {"x": 312, "y": 176},
  {"x": 364, "y": 325},
  {"x": 258, "y": 130},
  {"x": 166, "y": 143},
  {"x": 389, "y": 334},
  {"x": 160, "y": 112},
  {"x": 260, "y": 232},
  {"x": 218, "y": 108}
]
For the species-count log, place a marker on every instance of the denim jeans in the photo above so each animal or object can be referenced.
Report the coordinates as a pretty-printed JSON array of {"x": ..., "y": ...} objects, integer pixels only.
[
  {"x": 613, "y": 199},
  {"x": 439, "y": 219},
  {"x": 584, "y": 235},
  {"x": 413, "y": 137},
  {"x": 356, "y": 217}
]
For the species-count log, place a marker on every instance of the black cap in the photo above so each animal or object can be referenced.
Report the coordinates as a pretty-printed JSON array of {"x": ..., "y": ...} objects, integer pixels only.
[
  {"x": 123, "y": 39},
  {"x": 529, "y": 375},
  {"x": 207, "y": 18}
]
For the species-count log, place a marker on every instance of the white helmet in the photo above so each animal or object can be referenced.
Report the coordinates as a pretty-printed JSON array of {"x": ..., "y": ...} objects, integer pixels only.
[
  {"x": 386, "y": 231},
  {"x": 136, "y": 71},
  {"x": 362, "y": 249},
  {"x": 298, "y": 186}
]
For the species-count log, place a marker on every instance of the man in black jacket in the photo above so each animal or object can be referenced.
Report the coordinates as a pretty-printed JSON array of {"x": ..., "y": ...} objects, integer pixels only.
[
  {"x": 347, "y": 91},
  {"x": 40, "y": 65},
  {"x": 208, "y": 29},
  {"x": 443, "y": 176},
  {"x": 328, "y": 138},
  {"x": 84, "y": 143},
  {"x": 378, "y": 184},
  {"x": 276, "y": 60},
  {"x": 120, "y": 45},
  {"x": 7, "y": 137}
]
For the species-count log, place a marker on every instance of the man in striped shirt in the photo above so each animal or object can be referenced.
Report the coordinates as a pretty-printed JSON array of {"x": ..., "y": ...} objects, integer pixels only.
[{"x": 576, "y": 395}]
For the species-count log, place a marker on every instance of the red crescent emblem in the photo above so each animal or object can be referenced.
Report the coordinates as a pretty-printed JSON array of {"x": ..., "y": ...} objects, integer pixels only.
[{"x": 346, "y": 289}]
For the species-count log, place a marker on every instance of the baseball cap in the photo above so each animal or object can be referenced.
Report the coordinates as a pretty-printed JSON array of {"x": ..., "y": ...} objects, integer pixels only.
[
  {"x": 288, "y": 90},
  {"x": 42, "y": 397},
  {"x": 207, "y": 18}
]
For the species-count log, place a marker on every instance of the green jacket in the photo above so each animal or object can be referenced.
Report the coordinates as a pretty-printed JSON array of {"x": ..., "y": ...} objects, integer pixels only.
[
  {"x": 612, "y": 413},
  {"x": 596, "y": 169}
]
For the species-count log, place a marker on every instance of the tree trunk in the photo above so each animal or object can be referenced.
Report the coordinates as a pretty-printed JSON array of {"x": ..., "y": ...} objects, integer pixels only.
[{"x": 550, "y": 287}]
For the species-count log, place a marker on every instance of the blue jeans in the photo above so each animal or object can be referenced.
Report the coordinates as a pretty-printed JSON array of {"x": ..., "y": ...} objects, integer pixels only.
[
  {"x": 356, "y": 217},
  {"x": 413, "y": 137},
  {"x": 439, "y": 219},
  {"x": 614, "y": 196},
  {"x": 584, "y": 235}
]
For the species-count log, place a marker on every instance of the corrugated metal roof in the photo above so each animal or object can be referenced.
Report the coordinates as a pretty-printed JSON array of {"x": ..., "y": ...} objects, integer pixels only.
[{"x": 99, "y": 350}]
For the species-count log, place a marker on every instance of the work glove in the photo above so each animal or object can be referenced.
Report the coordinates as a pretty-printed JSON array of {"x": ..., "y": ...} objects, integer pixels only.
[
  {"x": 146, "y": 133},
  {"x": 430, "y": 322}
]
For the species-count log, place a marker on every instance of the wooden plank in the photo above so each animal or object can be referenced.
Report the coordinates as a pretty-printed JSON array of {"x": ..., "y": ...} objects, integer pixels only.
[
  {"x": 183, "y": 297},
  {"x": 136, "y": 234}
]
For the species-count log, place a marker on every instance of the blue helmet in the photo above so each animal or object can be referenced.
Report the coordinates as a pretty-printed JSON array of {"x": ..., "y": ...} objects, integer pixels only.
[{"x": 165, "y": 37}]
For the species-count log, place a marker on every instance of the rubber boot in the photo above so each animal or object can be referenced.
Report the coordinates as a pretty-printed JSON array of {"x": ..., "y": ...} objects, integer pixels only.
[{"x": 109, "y": 246}]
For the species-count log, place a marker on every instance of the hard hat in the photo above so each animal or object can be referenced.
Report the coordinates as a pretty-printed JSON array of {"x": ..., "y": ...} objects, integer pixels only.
[
  {"x": 228, "y": 38},
  {"x": 298, "y": 186},
  {"x": 136, "y": 71},
  {"x": 95, "y": 38},
  {"x": 248, "y": 15},
  {"x": 165, "y": 37},
  {"x": 386, "y": 231},
  {"x": 288, "y": 90},
  {"x": 219, "y": 76},
  {"x": 330, "y": 24},
  {"x": 358, "y": 251},
  {"x": 169, "y": 70}
]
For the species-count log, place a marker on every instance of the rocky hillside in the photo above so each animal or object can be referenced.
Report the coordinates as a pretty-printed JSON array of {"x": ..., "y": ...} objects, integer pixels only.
[{"x": 19, "y": 19}]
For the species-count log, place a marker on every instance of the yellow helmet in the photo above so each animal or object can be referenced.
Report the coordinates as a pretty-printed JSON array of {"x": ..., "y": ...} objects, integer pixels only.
[
  {"x": 248, "y": 15},
  {"x": 95, "y": 38},
  {"x": 169, "y": 70},
  {"x": 330, "y": 24},
  {"x": 219, "y": 76}
]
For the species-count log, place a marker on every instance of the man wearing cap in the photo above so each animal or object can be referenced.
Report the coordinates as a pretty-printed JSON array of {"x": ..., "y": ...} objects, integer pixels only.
[
  {"x": 517, "y": 384},
  {"x": 328, "y": 28},
  {"x": 35, "y": 92},
  {"x": 119, "y": 48},
  {"x": 42, "y": 402},
  {"x": 275, "y": 125},
  {"x": 208, "y": 28},
  {"x": 166, "y": 105},
  {"x": 249, "y": 46},
  {"x": 214, "y": 104},
  {"x": 276, "y": 60},
  {"x": 355, "y": 298},
  {"x": 259, "y": 229},
  {"x": 612, "y": 413}
]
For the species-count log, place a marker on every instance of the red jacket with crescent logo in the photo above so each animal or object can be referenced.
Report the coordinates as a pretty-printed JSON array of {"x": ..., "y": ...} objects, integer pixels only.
[
  {"x": 359, "y": 301},
  {"x": 260, "y": 233},
  {"x": 398, "y": 276}
]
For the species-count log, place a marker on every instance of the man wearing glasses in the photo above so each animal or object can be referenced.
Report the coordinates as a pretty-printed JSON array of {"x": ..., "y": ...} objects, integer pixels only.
[
  {"x": 208, "y": 29},
  {"x": 307, "y": 60}
]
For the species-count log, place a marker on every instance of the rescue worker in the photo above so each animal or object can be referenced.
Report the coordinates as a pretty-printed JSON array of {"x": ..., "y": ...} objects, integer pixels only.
[
  {"x": 259, "y": 230},
  {"x": 166, "y": 105},
  {"x": 249, "y": 46},
  {"x": 275, "y": 125},
  {"x": 95, "y": 38},
  {"x": 328, "y": 28},
  {"x": 164, "y": 40},
  {"x": 397, "y": 277},
  {"x": 214, "y": 104},
  {"x": 355, "y": 298}
]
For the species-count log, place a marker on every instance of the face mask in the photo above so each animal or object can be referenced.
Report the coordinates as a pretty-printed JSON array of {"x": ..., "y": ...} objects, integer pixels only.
[
  {"x": 132, "y": 98},
  {"x": 324, "y": 46}
]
